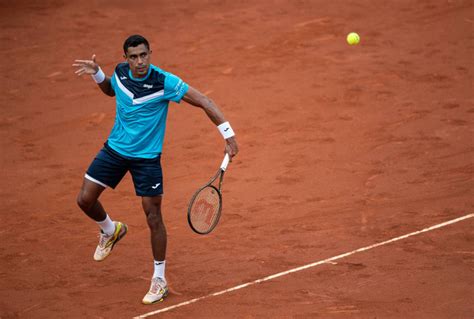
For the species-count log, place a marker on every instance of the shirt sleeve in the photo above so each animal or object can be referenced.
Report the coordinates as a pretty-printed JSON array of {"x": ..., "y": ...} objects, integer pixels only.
[
  {"x": 175, "y": 88},
  {"x": 113, "y": 82}
]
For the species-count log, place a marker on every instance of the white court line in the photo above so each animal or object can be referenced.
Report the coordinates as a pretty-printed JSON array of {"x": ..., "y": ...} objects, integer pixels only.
[{"x": 317, "y": 263}]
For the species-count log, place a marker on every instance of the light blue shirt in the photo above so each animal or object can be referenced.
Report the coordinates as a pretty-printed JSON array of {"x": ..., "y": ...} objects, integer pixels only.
[{"x": 142, "y": 108}]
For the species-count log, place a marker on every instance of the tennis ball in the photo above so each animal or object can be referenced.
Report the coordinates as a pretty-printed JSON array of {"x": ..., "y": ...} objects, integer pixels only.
[{"x": 353, "y": 38}]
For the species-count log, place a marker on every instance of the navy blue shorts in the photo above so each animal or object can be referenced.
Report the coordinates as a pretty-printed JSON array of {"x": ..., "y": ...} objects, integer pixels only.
[{"x": 109, "y": 167}]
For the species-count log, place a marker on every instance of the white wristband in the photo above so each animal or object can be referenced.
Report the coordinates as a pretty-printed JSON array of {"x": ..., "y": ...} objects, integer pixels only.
[
  {"x": 99, "y": 77},
  {"x": 226, "y": 130}
]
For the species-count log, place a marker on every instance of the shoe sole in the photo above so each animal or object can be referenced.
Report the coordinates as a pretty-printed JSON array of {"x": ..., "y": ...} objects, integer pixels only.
[
  {"x": 115, "y": 242},
  {"x": 159, "y": 300}
]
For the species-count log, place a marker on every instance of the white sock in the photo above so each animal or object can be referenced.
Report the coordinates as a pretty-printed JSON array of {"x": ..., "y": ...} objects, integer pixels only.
[
  {"x": 107, "y": 225},
  {"x": 159, "y": 269}
]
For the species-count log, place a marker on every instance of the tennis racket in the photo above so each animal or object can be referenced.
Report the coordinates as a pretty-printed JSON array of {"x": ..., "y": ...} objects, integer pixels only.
[{"x": 205, "y": 207}]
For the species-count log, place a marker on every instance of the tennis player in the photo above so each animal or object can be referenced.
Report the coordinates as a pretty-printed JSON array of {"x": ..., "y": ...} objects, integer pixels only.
[{"x": 142, "y": 92}]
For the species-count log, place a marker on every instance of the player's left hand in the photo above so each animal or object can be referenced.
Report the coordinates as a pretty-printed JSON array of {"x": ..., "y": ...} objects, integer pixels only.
[{"x": 231, "y": 147}]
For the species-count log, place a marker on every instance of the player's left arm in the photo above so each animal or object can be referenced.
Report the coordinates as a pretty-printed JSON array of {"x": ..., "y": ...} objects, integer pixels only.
[{"x": 196, "y": 98}]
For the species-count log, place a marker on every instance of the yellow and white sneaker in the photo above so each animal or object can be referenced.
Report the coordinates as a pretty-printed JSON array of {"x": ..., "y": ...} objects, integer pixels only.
[
  {"x": 158, "y": 291},
  {"x": 107, "y": 242}
]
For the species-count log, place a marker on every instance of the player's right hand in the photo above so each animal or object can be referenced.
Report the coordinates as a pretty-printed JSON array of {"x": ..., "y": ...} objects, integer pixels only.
[{"x": 86, "y": 66}]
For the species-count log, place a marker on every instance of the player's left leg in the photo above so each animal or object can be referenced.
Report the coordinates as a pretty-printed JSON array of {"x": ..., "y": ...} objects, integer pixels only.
[
  {"x": 148, "y": 180},
  {"x": 159, "y": 288},
  {"x": 152, "y": 208}
]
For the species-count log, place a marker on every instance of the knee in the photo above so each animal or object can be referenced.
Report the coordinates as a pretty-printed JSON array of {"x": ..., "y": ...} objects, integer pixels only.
[
  {"x": 84, "y": 201},
  {"x": 154, "y": 219}
]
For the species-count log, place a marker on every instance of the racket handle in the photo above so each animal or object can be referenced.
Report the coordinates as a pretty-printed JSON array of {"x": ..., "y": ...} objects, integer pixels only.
[{"x": 225, "y": 162}]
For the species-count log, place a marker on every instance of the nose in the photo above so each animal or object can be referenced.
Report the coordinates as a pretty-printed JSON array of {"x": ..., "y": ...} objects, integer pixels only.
[{"x": 140, "y": 60}]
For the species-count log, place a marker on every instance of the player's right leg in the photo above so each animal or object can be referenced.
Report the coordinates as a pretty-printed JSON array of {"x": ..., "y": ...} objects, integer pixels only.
[
  {"x": 111, "y": 232},
  {"x": 88, "y": 200},
  {"x": 106, "y": 170}
]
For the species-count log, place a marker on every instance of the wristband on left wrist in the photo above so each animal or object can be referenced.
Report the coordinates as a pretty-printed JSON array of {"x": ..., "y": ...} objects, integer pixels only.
[{"x": 226, "y": 130}]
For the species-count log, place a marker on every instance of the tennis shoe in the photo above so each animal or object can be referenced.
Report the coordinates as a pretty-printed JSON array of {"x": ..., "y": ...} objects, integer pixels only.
[
  {"x": 158, "y": 291},
  {"x": 107, "y": 242}
]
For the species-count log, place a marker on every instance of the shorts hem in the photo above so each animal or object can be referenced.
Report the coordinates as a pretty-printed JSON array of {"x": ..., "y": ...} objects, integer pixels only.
[
  {"x": 148, "y": 195},
  {"x": 92, "y": 179}
]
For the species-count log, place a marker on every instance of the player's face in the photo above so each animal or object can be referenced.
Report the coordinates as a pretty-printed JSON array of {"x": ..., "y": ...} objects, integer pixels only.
[{"x": 139, "y": 60}]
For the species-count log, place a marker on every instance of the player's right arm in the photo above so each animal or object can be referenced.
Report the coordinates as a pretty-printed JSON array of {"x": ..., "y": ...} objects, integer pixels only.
[{"x": 92, "y": 68}]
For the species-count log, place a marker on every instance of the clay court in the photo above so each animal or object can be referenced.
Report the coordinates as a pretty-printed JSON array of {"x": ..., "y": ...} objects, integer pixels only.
[{"x": 341, "y": 147}]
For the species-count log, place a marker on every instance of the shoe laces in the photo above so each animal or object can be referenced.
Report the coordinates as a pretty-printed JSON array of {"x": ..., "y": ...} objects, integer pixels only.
[
  {"x": 157, "y": 284},
  {"x": 104, "y": 238}
]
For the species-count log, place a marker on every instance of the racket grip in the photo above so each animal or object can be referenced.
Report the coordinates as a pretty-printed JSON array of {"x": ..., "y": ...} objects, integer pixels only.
[{"x": 225, "y": 162}]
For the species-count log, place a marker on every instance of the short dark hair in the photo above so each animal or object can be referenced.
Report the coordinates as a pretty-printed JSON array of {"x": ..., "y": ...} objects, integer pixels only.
[{"x": 134, "y": 41}]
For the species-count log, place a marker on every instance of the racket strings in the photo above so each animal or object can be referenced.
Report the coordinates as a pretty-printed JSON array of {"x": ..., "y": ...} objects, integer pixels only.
[{"x": 205, "y": 209}]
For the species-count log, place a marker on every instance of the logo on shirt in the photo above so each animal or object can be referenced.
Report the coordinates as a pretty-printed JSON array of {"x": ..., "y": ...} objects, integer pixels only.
[
  {"x": 148, "y": 86},
  {"x": 123, "y": 78}
]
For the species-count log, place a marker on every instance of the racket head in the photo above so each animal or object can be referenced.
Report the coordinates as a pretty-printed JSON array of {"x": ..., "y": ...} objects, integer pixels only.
[{"x": 204, "y": 209}]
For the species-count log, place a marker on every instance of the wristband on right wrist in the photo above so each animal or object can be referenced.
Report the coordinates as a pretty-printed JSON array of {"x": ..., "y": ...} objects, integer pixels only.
[
  {"x": 99, "y": 77},
  {"x": 226, "y": 130}
]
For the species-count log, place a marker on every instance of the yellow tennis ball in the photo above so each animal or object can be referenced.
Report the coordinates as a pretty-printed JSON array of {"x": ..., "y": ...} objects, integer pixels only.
[{"x": 353, "y": 38}]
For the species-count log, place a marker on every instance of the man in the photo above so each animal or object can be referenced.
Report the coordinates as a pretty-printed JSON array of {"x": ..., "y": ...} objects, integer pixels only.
[{"x": 142, "y": 93}]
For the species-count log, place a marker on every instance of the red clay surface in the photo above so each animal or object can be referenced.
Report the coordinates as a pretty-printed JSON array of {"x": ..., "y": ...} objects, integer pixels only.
[{"x": 341, "y": 147}]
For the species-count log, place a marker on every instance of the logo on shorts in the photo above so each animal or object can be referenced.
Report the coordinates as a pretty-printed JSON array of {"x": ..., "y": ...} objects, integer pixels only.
[
  {"x": 123, "y": 78},
  {"x": 156, "y": 186},
  {"x": 148, "y": 86}
]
